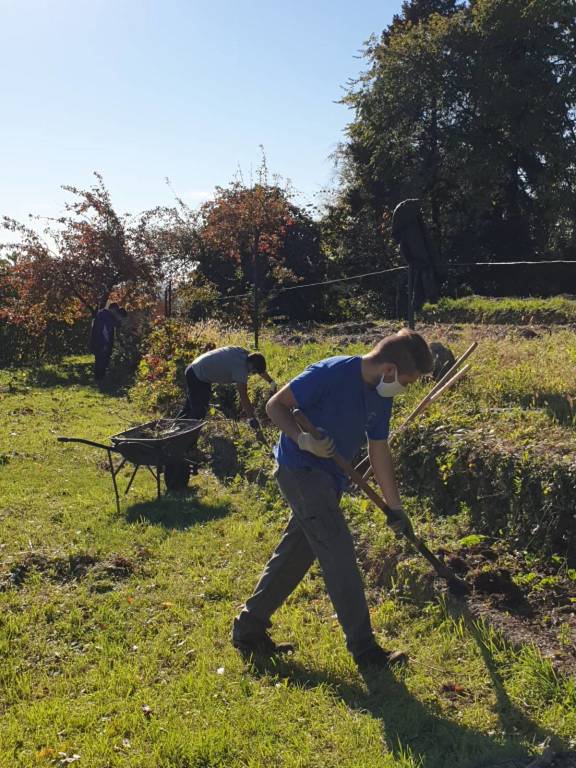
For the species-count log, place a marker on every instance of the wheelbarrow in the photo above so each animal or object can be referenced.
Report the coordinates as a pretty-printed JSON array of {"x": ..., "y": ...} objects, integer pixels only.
[{"x": 162, "y": 446}]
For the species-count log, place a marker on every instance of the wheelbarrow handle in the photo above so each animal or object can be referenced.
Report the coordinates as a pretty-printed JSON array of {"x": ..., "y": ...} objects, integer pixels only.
[
  {"x": 304, "y": 422},
  {"x": 86, "y": 442}
]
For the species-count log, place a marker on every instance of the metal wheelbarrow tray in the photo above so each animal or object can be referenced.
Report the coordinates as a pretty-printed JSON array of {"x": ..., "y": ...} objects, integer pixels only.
[{"x": 160, "y": 446}]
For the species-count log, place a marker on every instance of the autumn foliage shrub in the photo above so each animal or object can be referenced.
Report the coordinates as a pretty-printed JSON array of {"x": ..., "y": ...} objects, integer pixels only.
[
  {"x": 19, "y": 347},
  {"x": 170, "y": 347}
]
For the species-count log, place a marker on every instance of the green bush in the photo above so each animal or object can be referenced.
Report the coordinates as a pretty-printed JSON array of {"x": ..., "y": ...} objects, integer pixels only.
[
  {"x": 130, "y": 344},
  {"x": 524, "y": 493},
  {"x": 19, "y": 347}
]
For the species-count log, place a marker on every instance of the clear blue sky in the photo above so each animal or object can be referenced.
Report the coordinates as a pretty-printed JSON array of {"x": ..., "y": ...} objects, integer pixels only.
[{"x": 141, "y": 90}]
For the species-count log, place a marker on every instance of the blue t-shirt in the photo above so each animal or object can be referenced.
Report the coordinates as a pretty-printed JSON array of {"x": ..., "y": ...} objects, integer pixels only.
[{"x": 334, "y": 396}]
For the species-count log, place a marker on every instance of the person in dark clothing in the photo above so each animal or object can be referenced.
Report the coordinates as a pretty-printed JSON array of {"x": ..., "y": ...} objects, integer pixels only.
[
  {"x": 102, "y": 337},
  {"x": 226, "y": 365}
]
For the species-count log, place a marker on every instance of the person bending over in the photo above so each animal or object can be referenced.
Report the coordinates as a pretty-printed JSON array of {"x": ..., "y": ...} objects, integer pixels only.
[{"x": 226, "y": 365}]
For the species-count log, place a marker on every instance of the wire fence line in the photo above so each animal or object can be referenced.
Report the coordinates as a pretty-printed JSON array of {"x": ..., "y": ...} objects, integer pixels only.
[{"x": 277, "y": 291}]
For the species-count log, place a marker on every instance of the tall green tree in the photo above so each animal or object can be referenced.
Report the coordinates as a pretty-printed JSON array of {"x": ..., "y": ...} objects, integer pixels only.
[
  {"x": 415, "y": 11},
  {"x": 473, "y": 110}
]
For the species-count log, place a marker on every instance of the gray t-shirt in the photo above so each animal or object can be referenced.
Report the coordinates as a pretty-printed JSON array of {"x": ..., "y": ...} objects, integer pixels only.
[{"x": 227, "y": 365}]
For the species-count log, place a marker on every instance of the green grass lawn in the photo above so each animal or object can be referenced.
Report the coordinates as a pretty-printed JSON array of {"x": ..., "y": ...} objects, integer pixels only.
[
  {"x": 114, "y": 629},
  {"x": 483, "y": 309}
]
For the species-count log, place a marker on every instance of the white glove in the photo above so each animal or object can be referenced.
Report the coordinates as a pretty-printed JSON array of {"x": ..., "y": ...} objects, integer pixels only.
[
  {"x": 324, "y": 447},
  {"x": 273, "y": 388}
]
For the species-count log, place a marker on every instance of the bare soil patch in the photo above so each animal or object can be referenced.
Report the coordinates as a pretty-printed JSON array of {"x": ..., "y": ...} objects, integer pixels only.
[
  {"x": 64, "y": 568},
  {"x": 369, "y": 332},
  {"x": 529, "y": 601}
]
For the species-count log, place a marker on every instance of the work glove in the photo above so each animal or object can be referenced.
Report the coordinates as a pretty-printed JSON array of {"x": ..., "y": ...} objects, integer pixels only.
[
  {"x": 323, "y": 448},
  {"x": 254, "y": 423},
  {"x": 273, "y": 388},
  {"x": 400, "y": 523}
]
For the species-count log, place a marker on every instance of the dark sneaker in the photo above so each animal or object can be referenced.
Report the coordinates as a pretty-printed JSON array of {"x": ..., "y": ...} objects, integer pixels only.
[
  {"x": 378, "y": 658},
  {"x": 260, "y": 645}
]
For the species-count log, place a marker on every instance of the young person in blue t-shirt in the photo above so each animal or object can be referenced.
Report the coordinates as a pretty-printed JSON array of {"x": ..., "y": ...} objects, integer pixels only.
[{"x": 350, "y": 398}]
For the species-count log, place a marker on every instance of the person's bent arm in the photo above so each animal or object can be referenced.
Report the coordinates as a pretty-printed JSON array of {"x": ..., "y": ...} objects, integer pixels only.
[
  {"x": 383, "y": 467},
  {"x": 279, "y": 409},
  {"x": 247, "y": 406}
]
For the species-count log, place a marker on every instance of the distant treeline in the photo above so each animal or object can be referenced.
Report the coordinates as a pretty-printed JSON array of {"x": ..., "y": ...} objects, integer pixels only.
[{"x": 470, "y": 107}]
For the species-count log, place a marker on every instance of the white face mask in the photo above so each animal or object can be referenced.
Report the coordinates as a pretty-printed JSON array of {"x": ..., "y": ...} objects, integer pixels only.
[{"x": 390, "y": 388}]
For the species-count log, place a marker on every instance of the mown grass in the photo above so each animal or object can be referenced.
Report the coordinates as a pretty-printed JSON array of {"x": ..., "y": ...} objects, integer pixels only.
[{"x": 123, "y": 659}]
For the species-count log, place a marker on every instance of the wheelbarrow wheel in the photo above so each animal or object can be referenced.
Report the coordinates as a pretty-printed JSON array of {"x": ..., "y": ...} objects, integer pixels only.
[{"x": 176, "y": 476}]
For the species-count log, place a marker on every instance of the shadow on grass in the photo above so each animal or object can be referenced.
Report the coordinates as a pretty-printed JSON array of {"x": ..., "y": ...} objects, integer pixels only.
[
  {"x": 512, "y": 719},
  {"x": 558, "y": 406},
  {"x": 64, "y": 373},
  {"x": 412, "y": 729},
  {"x": 69, "y": 372},
  {"x": 177, "y": 511}
]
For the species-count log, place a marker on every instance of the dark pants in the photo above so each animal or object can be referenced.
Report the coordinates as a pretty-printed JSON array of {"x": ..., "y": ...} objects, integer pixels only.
[
  {"x": 197, "y": 397},
  {"x": 101, "y": 360},
  {"x": 316, "y": 530}
]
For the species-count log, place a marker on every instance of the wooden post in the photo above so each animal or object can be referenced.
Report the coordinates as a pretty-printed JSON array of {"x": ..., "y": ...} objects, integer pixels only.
[
  {"x": 411, "y": 297},
  {"x": 255, "y": 296}
]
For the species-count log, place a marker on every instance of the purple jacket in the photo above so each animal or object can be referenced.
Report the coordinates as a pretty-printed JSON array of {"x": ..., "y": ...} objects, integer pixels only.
[{"x": 102, "y": 332}]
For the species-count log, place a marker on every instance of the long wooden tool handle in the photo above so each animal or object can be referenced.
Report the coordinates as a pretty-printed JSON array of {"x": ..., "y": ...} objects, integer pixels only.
[
  {"x": 447, "y": 379},
  {"x": 441, "y": 386},
  {"x": 423, "y": 405},
  {"x": 448, "y": 384},
  {"x": 447, "y": 376},
  {"x": 304, "y": 422}
]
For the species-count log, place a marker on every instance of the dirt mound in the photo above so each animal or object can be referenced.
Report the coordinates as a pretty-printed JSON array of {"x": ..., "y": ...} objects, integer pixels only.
[
  {"x": 222, "y": 457},
  {"x": 530, "y": 602},
  {"x": 64, "y": 568},
  {"x": 499, "y": 582}
]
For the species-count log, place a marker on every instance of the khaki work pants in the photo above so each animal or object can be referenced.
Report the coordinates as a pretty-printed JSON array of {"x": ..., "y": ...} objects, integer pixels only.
[{"x": 316, "y": 530}]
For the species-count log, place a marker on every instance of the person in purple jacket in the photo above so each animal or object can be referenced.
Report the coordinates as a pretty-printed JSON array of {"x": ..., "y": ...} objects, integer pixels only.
[
  {"x": 102, "y": 338},
  {"x": 348, "y": 398}
]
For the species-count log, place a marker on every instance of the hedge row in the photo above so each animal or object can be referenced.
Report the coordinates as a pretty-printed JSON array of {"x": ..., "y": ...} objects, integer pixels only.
[
  {"x": 18, "y": 347},
  {"x": 482, "y": 309},
  {"x": 524, "y": 495}
]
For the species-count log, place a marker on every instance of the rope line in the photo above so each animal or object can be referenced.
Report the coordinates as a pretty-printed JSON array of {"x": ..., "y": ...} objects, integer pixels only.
[{"x": 277, "y": 291}]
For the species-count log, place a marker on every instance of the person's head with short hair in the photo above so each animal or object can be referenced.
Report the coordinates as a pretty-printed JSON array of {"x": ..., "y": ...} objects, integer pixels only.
[
  {"x": 397, "y": 361},
  {"x": 118, "y": 311},
  {"x": 256, "y": 363}
]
